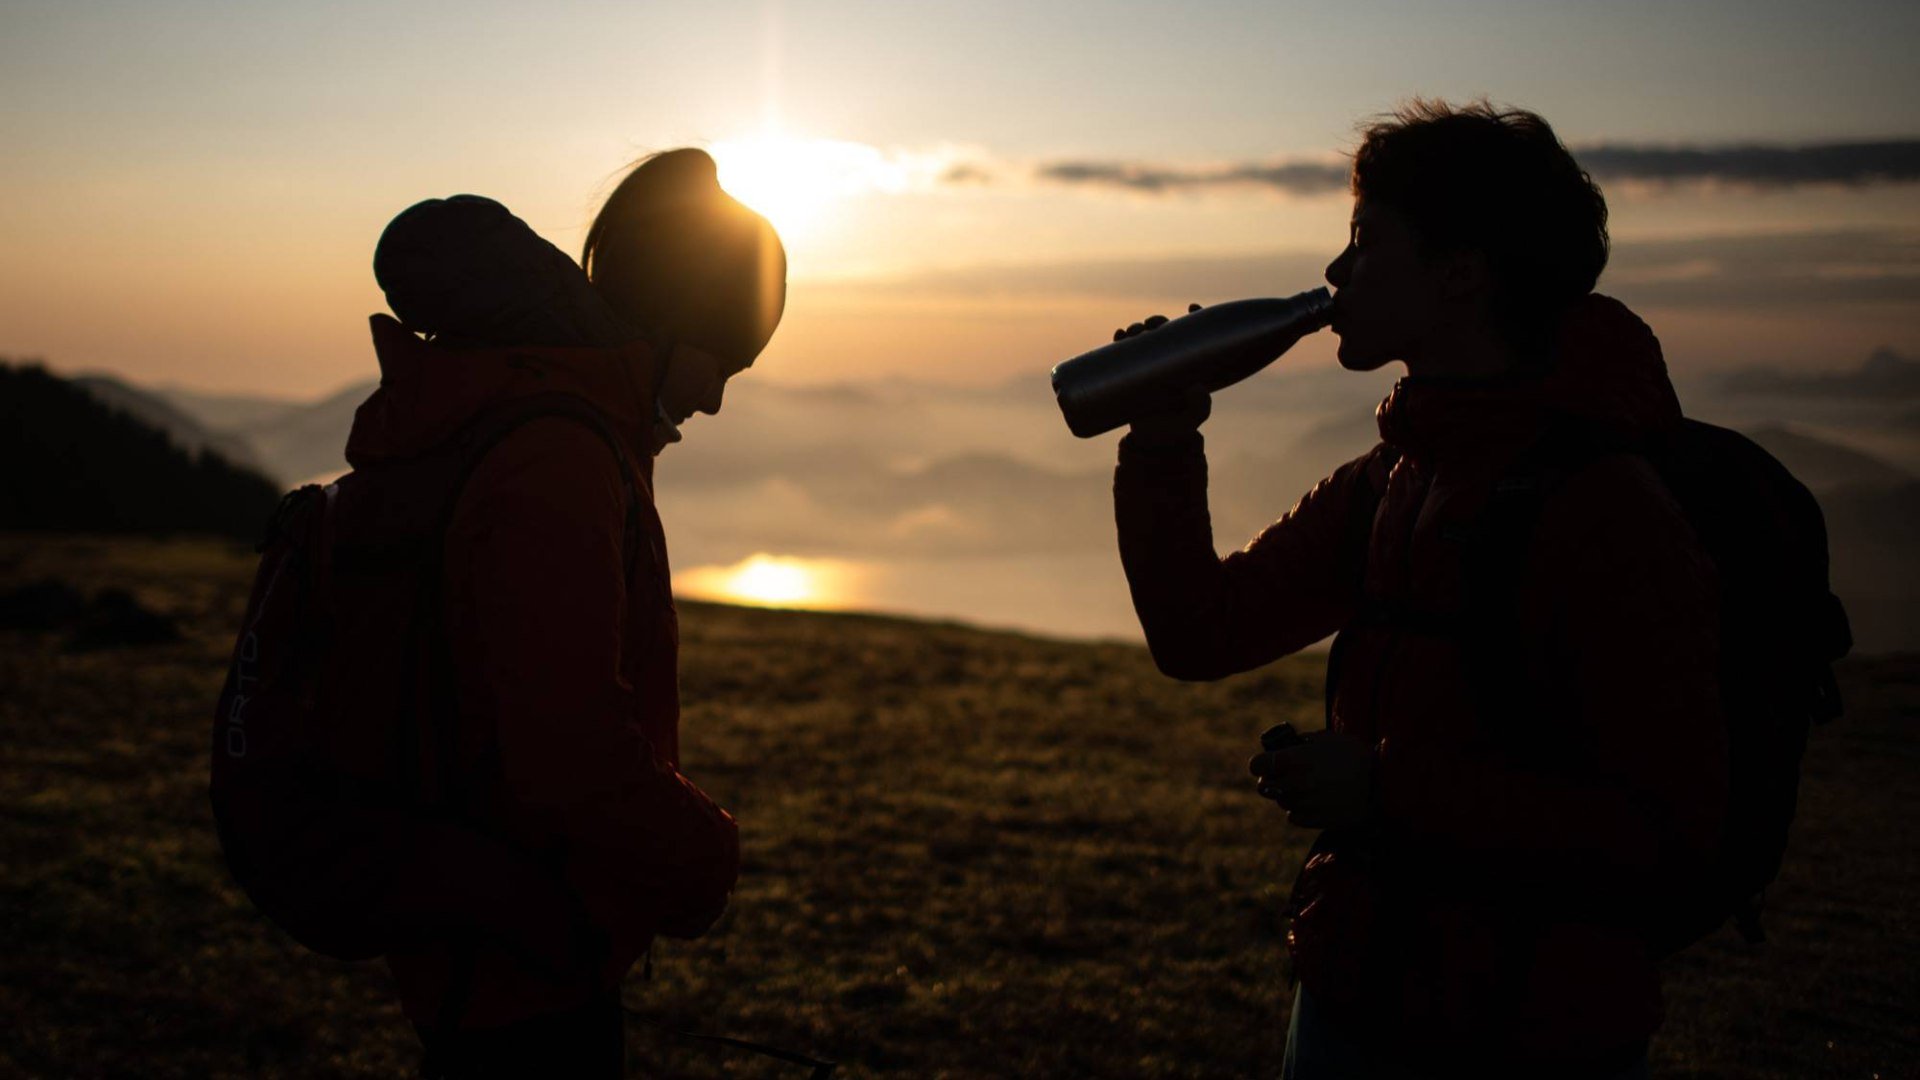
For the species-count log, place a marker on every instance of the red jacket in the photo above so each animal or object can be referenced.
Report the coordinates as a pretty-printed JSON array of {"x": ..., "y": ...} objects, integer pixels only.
[
  {"x": 1490, "y": 901},
  {"x": 565, "y": 663}
]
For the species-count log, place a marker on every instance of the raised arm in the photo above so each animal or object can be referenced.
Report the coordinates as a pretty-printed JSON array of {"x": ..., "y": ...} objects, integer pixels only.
[{"x": 1206, "y": 617}]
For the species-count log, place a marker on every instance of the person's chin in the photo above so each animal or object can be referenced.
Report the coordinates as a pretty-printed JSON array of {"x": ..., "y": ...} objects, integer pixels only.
[
  {"x": 662, "y": 435},
  {"x": 1353, "y": 357}
]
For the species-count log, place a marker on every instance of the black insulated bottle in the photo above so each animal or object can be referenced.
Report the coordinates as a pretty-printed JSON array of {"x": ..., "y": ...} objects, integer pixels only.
[{"x": 1212, "y": 348}]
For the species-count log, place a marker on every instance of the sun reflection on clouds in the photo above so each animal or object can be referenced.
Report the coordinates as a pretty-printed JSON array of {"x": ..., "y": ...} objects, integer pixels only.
[{"x": 763, "y": 580}]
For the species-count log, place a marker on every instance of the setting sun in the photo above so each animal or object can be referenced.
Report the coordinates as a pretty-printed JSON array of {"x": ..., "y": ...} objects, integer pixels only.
[
  {"x": 795, "y": 181},
  {"x": 792, "y": 181}
]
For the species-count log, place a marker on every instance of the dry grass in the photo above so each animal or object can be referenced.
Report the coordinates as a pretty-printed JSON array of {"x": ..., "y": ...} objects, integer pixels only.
[{"x": 968, "y": 854}]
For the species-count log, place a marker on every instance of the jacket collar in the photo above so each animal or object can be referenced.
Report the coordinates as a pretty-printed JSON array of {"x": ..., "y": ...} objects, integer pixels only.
[
  {"x": 428, "y": 391},
  {"x": 1607, "y": 370}
]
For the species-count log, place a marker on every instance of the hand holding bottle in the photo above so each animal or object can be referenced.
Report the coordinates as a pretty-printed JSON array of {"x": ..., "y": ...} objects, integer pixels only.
[
  {"x": 1151, "y": 322},
  {"x": 1148, "y": 370},
  {"x": 1189, "y": 411}
]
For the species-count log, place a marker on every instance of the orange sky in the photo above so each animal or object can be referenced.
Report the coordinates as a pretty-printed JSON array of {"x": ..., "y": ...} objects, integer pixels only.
[{"x": 193, "y": 191}]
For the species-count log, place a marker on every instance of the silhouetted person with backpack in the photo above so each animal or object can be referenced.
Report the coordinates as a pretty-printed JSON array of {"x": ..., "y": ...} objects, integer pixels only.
[
  {"x": 451, "y": 733},
  {"x": 1523, "y": 787}
]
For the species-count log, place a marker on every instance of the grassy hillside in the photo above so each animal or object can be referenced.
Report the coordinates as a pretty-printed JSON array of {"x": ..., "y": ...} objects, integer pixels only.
[{"x": 968, "y": 854}]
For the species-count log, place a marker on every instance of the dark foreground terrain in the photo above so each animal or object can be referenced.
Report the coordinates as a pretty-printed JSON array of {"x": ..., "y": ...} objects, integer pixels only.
[{"x": 968, "y": 854}]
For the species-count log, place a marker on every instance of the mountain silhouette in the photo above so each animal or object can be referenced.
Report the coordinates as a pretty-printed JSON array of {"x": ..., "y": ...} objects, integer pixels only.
[
  {"x": 229, "y": 412},
  {"x": 185, "y": 430},
  {"x": 1886, "y": 375},
  {"x": 1825, "y": 466},
  {"x": 70, "y": 462},
  {"x": 310, "y": 442},
  {"x": 902, "y": 470}
]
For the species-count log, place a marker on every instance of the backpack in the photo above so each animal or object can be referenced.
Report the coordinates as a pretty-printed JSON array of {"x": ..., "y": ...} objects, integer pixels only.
[
  {"x": 333, "y": 791},
  {"x": 1781, "y": 630}
]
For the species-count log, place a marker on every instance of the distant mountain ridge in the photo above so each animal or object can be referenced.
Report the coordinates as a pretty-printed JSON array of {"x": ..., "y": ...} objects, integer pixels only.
[
  {"x": 156, "y": 409},
  {"x": 71, "y": 462},
  {"x": 1826, "y": 466},
  {"x": 229, "y": 412},
  {"x": 294, "y": 441},
  {"x": 1886, "y": 375},
  {"x": 899, "y": 469},
  {"x": 310, "y": 442}
]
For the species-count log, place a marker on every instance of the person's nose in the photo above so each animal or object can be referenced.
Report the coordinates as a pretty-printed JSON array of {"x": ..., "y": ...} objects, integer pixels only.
[
  {"x": 711, "y": 403},
  {"x": 1337, "y": 269}
]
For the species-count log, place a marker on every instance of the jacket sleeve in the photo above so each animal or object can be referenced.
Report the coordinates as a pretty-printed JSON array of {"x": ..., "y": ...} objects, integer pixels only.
[
  {"x": 1206, "y": 617},
  {"x": 1628, "y": 602},
  {"x": 537, "y": 546}
]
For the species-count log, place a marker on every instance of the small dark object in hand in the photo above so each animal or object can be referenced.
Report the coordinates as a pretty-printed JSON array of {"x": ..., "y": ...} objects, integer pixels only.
[{"x": 1278, "y": 737}]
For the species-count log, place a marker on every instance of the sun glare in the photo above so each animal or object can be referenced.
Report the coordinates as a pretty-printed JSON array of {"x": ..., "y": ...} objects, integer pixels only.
[
  {"x": 795, "y": 181},
  {"x": 792, "y": 181},
  {"x": 767, "y": 581}
]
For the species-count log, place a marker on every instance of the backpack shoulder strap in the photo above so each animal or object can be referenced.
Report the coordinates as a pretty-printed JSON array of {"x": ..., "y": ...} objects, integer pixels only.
[
  {"x": 1498, "y": 546},
  {"x": 493, "y": 427},
  {"x": 474, "y": 443}
]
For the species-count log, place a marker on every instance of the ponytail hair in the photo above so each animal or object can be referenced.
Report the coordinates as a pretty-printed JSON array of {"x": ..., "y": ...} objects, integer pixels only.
[{"x": 674, "y": 255}]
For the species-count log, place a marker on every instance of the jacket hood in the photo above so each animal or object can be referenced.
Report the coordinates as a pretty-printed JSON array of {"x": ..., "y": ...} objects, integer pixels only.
[
  {"x": 428, "y": 391},
  {"x": 1607, "y": 370},
  {"x": 464, "y": 267}
]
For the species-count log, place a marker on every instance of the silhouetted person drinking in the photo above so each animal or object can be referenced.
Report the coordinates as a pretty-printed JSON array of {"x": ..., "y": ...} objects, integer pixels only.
[
  {"x": 1494, "y": 819},
  {"x": 560, "y": 631}
]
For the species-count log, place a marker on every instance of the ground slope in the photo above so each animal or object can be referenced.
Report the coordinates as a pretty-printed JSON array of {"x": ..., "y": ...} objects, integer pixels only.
[{"x": 967, "y": 854}]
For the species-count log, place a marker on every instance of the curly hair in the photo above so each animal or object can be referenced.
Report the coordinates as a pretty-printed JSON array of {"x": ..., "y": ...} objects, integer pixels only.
[{"x": 1497, "y": 180}]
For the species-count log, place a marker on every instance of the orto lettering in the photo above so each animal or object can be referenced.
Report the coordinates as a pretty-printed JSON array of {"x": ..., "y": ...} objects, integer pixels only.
[{"x": 246, "y": 672}]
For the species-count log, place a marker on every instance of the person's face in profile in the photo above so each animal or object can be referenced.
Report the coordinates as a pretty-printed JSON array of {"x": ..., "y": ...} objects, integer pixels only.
[
  {"x": 1388, "y": 296},
  {"x": 695, "y": 380}
]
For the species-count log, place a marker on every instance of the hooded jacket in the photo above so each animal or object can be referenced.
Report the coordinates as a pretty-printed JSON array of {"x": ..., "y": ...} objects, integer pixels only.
[
  {"x": 564, "y": 660},
  {"x": 1490, "y": 901}
]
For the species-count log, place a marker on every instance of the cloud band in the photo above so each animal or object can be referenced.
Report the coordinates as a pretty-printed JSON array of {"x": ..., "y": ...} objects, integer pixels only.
[{"x": 1851, "y": 164}]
